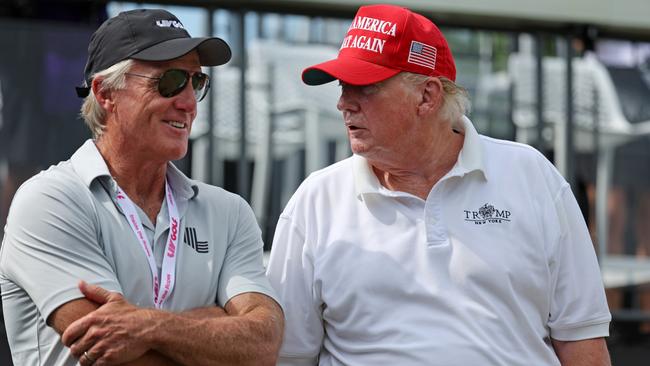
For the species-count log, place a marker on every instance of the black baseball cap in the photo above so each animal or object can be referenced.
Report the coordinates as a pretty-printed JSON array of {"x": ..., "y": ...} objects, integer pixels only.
[{"x": 148, "y": 35}]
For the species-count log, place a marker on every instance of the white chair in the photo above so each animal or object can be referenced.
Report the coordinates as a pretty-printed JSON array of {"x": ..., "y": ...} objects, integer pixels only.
[
  {"x": 596, "y": 103},
  {"x": 310, "y": 112},
  {"x": 284, "y": 117}
]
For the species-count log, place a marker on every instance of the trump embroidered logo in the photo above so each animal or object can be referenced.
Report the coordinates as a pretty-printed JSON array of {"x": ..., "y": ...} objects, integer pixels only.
[{"x": 487, "y": 214}]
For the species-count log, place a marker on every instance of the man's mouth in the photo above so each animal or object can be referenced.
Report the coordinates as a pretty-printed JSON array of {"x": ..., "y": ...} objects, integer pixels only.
[
  {"x": 176, "y": 124},
  {"x": 352, "y": 127}
]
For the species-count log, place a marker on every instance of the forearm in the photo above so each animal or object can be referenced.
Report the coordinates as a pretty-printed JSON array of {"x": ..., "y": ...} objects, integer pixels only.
[
  {"x": 588, "y": 352},
  {"x": 73, "y": 310},
  {"x": 181, "y": 321},
  {"x": 192, "y": 338},
  {"x": 152, "y": 358},
  {"x": 247, "y": 331},
  {"x": 204, "y": 313}
]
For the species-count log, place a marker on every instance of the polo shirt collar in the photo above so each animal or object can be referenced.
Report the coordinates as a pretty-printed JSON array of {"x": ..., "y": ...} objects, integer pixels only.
[
  {"x": 89, "y": 164},
  {"x": 365, "y": 180},
  {"x": 184, "y": 187},
  {"x": 470, "y": 159}
]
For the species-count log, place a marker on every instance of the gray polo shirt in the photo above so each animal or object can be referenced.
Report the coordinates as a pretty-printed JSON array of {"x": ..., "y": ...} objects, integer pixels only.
[{"x": 65, "y": 225}]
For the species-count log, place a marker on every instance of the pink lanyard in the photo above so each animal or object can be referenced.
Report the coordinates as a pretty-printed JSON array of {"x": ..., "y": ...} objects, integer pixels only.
[{"x": 169, "y": 260}]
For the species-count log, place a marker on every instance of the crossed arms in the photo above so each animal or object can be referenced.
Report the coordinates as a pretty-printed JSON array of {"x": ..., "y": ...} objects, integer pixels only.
[{"x": 247, "y": 331}]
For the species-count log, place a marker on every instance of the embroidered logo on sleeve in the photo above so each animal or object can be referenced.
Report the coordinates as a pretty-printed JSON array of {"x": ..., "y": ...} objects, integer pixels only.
[{"x": 196, "y": 244}]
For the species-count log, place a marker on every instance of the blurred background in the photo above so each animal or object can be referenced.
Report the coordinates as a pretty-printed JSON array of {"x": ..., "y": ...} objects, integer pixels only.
[{"x": 571, "y": 78}]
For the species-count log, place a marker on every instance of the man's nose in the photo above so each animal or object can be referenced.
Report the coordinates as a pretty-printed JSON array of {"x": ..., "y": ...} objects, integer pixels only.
[
  {"x": 347, "y": 100},
  {"x": 186, "y": 100}
]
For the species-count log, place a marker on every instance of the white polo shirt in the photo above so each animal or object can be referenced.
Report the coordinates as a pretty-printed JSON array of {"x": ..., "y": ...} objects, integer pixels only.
[
  {"x": 493, "y": 264},
  {"x": 65, "y": 225}
]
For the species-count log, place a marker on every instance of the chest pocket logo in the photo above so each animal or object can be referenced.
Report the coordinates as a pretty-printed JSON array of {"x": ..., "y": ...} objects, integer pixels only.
[
  {"x": 487, "y": 214},
  {"x": 191, "y": 240}
]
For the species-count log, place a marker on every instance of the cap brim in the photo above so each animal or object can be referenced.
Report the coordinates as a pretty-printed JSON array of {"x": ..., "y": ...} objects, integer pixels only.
[
  {"x": 212, "y": 51},
  {"x": 349, "y": 70}
]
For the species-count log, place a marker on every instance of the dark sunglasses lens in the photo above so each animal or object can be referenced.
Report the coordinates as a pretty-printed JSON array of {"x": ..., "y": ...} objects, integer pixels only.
[
  {"x": 172, "y": 82},
  {"x": 200, "y": 84}
]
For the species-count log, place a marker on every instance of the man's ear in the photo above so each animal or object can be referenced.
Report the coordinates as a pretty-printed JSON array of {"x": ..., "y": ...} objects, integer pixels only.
[
  {"x": 432, "y": 96},
  {"x": 103, "y": 96}
]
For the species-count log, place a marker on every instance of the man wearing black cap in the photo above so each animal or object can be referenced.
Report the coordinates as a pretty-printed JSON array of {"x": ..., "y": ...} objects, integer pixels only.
[
  {"x": 116, "y": 257},
  {"x": 432, "y": 245}
]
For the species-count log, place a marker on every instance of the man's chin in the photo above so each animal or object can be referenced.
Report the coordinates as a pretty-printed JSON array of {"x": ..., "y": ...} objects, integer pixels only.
[
  {"x": 176, "y": 152},
  {"x": 359, "y": 149},
  {"x": 180, "y": 156}
]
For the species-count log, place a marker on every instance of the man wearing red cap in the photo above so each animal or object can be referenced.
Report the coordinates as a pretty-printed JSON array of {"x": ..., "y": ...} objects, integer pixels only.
[
  {"x": 432, "y": 245},
  {"x": 172, "y": 267}
]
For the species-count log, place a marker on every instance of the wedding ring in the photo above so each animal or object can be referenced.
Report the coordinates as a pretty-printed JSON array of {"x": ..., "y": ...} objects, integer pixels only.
[{"x": 92, "y": 360}]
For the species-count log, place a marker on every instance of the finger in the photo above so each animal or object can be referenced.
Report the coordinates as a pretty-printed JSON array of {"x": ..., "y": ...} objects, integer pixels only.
[
  {"x": 95, "y": 293},
  {"x": 86, "y": 359},
  {"x": 75, "y": 330},
  {"x": 82, "y": 344}
]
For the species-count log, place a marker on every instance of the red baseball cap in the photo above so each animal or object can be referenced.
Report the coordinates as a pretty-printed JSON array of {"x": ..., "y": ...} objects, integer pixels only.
[{"x": 382, "y": 41}]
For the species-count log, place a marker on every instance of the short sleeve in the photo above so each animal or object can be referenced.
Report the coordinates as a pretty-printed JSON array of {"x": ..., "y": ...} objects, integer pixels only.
[
  {"x": 243, "y": 267},
  {"x": 51, "y": 243},
  {"x": 578, "y": 305},
  {"x": 291, "y": 271}
]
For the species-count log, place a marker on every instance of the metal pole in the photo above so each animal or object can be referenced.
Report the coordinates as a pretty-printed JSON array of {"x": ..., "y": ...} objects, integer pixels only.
[
  {"x": 603, "y": 178},
  {"x": 539, "y": 92},
  {"x": 243, "y": 174},
  {"x": 211, "y": 98},
  {"x": 569, "y": 143}
]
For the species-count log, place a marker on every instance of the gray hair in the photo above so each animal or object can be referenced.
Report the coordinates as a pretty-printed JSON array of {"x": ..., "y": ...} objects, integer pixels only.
[
  {"x": 455, "y": 99},
  {"x": 114, "y": 79}
]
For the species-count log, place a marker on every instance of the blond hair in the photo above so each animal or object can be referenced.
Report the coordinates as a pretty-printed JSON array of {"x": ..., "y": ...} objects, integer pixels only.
[{"x": 113, "y": 79}]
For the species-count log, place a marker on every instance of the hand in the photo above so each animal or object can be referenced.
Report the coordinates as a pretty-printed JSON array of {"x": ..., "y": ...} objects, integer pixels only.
[{"x": 112, "y": 334}]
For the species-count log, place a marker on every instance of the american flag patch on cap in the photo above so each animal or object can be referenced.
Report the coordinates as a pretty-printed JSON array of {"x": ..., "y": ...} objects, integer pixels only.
[{"x": 422, "y": 54}]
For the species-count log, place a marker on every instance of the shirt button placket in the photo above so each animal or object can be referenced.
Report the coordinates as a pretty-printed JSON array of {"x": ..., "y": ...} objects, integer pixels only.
[{"x": 436, "y": 233}]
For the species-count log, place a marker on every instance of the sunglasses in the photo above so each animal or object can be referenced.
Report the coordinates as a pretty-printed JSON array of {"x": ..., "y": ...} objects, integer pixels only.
[{"x": 173, "y": 81}]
